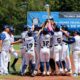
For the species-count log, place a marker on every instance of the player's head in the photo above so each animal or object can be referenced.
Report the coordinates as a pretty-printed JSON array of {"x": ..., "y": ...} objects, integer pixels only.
[
  {"x": 57, "y": 28},
  {"x": 25, "y": 27},
  {"x": 51, "y": 18},
  {"x": 11, "y": 29},
  {"x": 64, "y": 27},
  {"x": 74, "y": 32},
  {"x": 45, "y": 31},
  {"x": 30, "y": 33},
  {"x": 77, "y": 32},
  {"x": 6, "y": 28},
  {"x": 36, "y": 28}
]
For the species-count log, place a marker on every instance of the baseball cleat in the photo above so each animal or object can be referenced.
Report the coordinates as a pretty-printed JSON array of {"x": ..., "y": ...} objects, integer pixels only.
[
  {"x": 69, "y": 72},
  {"x": 48, "y": 73},
  {"x": 35, "y": 72},
  {"x": 65, "y": 70},
  {"x": 43, "y": 73},
  {"x": 14, "y": 69},
  {"x": 22, "y": 74},
  {"x": 75, "y": 75},
  {"x": 61, "y": 72},
  {"x": 5, "y": 73}
]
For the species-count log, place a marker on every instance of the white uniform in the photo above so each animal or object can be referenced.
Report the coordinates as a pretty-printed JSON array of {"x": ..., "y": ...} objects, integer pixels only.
[
  {"x": 4, "y": 52},
  {"x": 65, "y": 53},
  {"x": 37, "y": 49},
  {"x": 76, "y": 53},
  {"x": 12, "y": 50},
  {"x": 65, "y": 50},
  {"x": 36, "y": 38},
  {"x": 57, "y": 42},
  {"x": 29, "y": 50},
  {"x": 23, "y": 36},
  {"x": 45, "y": 48}
]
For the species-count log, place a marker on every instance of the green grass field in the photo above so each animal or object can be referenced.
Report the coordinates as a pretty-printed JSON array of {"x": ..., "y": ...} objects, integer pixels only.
[
  {"x": 16, "y": 76},
  {"x": 17, "y": 47}
]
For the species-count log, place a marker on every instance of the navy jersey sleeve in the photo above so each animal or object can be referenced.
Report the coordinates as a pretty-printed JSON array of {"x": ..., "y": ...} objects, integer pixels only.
[
  {"x": 51, "y": 32},
  {"x": 70, "y": 41},
  {"x": 2, "y": 36},
  {"x": 41, "y": 33}
]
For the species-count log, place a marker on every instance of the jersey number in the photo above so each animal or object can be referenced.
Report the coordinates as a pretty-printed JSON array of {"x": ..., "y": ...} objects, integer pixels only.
[
  {"x": 46, "y": 43},
  {"x": 59, "y": 40},
  {"x": 29, "y": 46}
]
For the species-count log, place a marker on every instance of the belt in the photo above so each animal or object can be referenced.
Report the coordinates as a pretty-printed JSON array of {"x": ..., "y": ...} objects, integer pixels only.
[
  {"x": 66, "y": 44},
  {"x": 46, "y": 47},
  {"x": 56, "y": 45}
]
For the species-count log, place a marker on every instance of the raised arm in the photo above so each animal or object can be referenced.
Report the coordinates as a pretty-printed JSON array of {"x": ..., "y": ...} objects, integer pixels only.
[
  {"x": 17, "y": 42},
  {"x": 70, "y": 40}
]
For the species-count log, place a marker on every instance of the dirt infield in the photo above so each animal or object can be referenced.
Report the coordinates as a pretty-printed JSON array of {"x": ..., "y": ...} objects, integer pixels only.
[
  {"x": 50, "y": 78},
  {"x": 39, "y": 78}
]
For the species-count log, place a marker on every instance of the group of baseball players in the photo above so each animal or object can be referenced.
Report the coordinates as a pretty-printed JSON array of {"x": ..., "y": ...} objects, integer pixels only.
[{"x": 44, "y": 49}]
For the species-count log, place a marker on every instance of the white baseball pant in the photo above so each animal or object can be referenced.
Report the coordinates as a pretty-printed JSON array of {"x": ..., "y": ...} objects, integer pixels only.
[
  {"x": 4, "y": 61},
  {"x": 44, "y": 54},
  {"x": 76, "y": 60},
  {"x": 57, "y": 52}
]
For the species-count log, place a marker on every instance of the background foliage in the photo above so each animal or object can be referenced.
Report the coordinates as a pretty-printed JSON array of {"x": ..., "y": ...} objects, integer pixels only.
[{"x": 13, "y": 12}]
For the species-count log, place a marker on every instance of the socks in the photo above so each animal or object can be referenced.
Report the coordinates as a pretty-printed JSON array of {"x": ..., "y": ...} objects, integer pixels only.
[
  {"x": 33, "y": 67},
  {"x": 52, "y": 65},
  {"x": 64, "y": 64},
  {"x": 23, "y": 68},
  {"x": 14, "y": 62},
  {"x": 42, "y": 66},
  {"x": 8, "y": 66},
  {"x": 47, "y": 66},
  {"x": 60, "y": 64}
]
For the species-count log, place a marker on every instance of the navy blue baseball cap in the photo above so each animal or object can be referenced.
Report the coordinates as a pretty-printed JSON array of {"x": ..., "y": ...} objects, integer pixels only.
[
  {"x": 45, "y": 31},
  {"x": 11, "y": 29},
  {"x": 5, "y": 26},
  {"x": 25, "y": 27},
  {"x": 30, "y": 33}
]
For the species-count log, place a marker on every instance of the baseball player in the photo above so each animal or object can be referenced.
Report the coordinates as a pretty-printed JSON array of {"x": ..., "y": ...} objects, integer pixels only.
[
  {"x": 76, "y": 50},
  {"x": 23, "y": 35},
  {"x": 65, "y": 51},
  {"x": 29, "y": 53},
  {"x": 37, "y": 47},
  {"x": 45, "y": 51},
  {"x": 12, "y": 50},
  {"x": 5, "y": 46},
  {"x": 57, "y": 47},
  {"x": 22, "y": 40}
]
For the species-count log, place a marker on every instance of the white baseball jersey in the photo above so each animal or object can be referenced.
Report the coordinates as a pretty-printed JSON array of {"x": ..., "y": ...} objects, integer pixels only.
[
  {"x": 76, "y": 45},
  {"x": 12, "y": 38},
  {"x": 29, "y": 43},
  {"x": 64, "y": 37},
  {"x": 45, "y": 41},
  {"x": 57, "y": 38},
  {"x": 6, "y": 42},
  {"x": 36, "y": 38},
  {"x": 23, "y": 36}
]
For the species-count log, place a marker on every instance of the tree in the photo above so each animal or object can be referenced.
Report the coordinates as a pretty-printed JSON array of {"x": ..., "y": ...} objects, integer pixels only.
[{"x": 14, "y": 12}]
